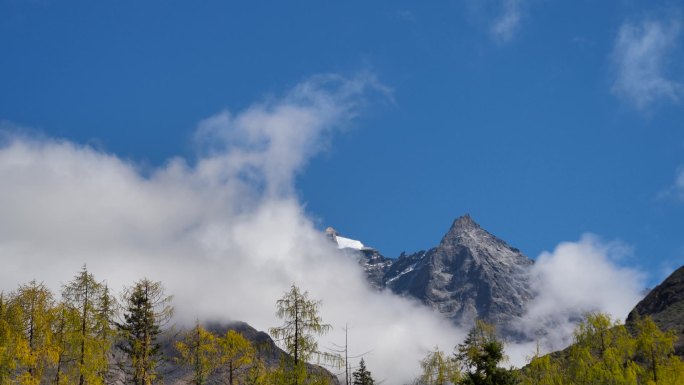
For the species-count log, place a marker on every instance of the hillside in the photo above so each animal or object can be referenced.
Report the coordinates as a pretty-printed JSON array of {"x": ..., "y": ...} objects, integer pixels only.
[{"x": 665, "y": 304}]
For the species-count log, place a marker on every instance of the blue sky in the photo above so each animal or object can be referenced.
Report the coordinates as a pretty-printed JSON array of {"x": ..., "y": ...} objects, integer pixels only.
[{"x": 543, "y": 119}]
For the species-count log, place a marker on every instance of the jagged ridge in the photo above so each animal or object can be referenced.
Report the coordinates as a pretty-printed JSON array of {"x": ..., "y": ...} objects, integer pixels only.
[{"x": 470, "y": 274}]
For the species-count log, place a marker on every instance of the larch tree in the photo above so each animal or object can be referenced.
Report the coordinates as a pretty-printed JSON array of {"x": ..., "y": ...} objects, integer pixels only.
[
  {"x": 147, "y": 311},
  {"x": 654, "y": 349},
  {"x": 66, "y": 340},
  {"x": 83, "y": 295},
  {"x": 542, "y": 370},
  {"x": 199, "y": 350},
  {"x": 605, "y": 352},
  {"x": 237, "y": 353},
  {"x": 105, "y": 331},
  {"x": 37, "y": 313},
  {"x": 297, "y": 335},
  {"x": 438, "y": 369},
  {"x": 13, "y": 344},
  {"x": 602, "y": 352}
]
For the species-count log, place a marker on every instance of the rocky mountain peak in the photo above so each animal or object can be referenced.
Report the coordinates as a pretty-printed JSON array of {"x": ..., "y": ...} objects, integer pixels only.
[
  {"x": 464, "y": 222},
  {"x": 471, "y": 274},
  {"x": 468, "y": 239},
  {"x": 465, "y": 230}
]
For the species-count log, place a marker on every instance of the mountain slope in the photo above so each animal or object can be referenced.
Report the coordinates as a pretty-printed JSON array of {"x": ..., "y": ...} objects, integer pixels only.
[
  {"x": 470, "y": 274},
  {"x": 374, "y": 264},
  {"x": 665, "y": 304},
  {"x": 267, "y": 350}
]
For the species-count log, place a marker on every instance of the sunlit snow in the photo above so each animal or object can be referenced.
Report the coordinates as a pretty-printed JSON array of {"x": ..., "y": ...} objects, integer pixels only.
[{"x": 346, "y": 243}]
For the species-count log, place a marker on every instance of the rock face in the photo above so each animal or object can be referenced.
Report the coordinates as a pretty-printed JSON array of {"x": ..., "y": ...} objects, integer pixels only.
[
  {"x": 665, "y": 304},
  {"x": 267, "y": 351},
  {"x": 470, "y": 274},
  {"x": 374, "y": 264}
]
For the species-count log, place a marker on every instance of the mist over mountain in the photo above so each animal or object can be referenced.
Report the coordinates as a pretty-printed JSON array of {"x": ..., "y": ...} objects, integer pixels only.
[
  {"x": 266, "y": 350},
  {"x": 472, "y": 274},
  {"x": 226, "y": 233}
]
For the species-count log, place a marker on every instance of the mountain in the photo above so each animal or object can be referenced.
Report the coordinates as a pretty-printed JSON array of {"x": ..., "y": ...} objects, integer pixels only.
[
  {"x": 665, "y": 304},
  {"x": 470, "y": 274},
  {"x": 266, "y": 348},
  {"x": 374, "y": 264}
]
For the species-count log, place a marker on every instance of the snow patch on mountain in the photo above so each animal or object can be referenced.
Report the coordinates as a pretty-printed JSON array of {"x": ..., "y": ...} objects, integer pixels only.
[
  {"x": 346, "y": 243},
  {"x": 470, "y": 275},
  {"x": 343, "y": 242}
]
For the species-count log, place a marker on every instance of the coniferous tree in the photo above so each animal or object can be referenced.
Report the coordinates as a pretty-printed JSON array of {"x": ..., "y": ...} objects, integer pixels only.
[
  {"x": 199, "y": 350},
  {"x": 105, "y": 331},
  {"x": 302, "y": 323},
  {"x": 479, "y": 357},
  {"x": 542, "y": 370},
  {"x": 13, "y": 344},
  {"x": 602, "y": 352},
  {"x": 362, "y": 376},
  {"x": 83, "y": 295},
  {"x": 438, "y": 369},
  {"x": 148, "y": 309},
  {"x": 65, "y": 341},
  {"x": 35, "y": 304},
  {"x": 237, "y": 353},
  {"x": 653, "y": 348}
]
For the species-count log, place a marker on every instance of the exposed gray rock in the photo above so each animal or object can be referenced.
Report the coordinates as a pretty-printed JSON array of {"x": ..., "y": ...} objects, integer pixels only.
[
  {"x": 374, "y": 264},
  {"x": 470, "y": 275}
]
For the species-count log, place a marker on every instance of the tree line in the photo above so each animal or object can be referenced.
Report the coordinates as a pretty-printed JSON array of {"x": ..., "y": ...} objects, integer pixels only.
[
  {"x": 69, "y": 340},
  {"x": 604, "y": 352},
  {"x": 90, "y": 337}
]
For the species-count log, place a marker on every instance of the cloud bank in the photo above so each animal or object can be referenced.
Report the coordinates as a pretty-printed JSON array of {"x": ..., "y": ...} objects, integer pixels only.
[
  {"x": 641, "y": 56},
  {"x": 572, "y": 280},
  {"x": 227, "y": 235}
]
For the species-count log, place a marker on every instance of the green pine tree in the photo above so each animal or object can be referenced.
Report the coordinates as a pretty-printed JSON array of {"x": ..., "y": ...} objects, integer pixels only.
[
  {"x": 147, "y": 311},
  {"x": 480, "y": 355},
  {"x": 362, "y": 376}
]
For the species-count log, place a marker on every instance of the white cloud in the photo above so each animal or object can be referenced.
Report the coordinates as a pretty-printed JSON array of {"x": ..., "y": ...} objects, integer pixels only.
[
  {"x": 507, "y": 23},
  {"x": 641, "y": 57},
  {"x": 226, "y": 235},
  {"x": 576, "y": 278},
  {"x": 674, "y": 192}
]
